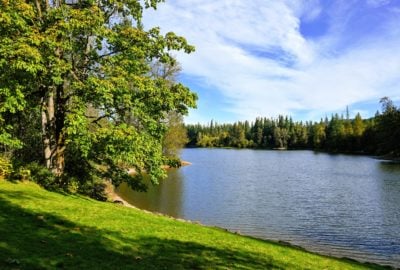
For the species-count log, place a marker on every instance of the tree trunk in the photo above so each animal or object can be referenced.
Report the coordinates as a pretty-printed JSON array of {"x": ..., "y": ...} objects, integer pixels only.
[
  {"x": 39, "y": 9},
  {"x": 53, "y": 121},
  {"x": 53, "y": 118},
  {"x": 47, "y": 126},
  {"x": 59, "y": 164}
]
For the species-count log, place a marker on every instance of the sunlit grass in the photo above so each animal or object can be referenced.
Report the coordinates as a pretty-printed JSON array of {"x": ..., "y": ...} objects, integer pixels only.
[{"x": 45, "y": 230}]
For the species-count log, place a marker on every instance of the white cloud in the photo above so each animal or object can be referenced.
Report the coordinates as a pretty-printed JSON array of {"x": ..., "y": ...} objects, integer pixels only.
[
  {"x": 303, "y": 75},
  {"x": 308, "y": 10}
]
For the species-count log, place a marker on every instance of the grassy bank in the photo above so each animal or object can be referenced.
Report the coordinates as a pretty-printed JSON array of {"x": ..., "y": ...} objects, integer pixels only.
[{"x": 44, "y": 230}]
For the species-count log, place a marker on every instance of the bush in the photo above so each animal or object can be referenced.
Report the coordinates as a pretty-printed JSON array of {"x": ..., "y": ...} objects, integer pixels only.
[
  {"x": 173, "y": 162},
  {"x": 95, "y": 190},
  {"x": 77, "y": 180},
  {"x": 42, "y": 176},
  {"x": 5, "y": 166},
  {"x": 20, "y": 174},
  {"x": 99, "y": 191}
]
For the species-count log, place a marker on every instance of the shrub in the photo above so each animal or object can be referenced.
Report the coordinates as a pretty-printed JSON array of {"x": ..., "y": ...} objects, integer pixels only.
[
  {"x": 173, "y": 162},
  {"x": 5, "y": 166},
  {"x": 95, "y": 190},
  {"x": 42, "y": 176},
  {"x": 20, "y": 174}
]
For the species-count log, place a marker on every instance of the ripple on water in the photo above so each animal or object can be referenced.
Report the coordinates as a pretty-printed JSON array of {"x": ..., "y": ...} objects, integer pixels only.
[{"x": 339, "y": 205}]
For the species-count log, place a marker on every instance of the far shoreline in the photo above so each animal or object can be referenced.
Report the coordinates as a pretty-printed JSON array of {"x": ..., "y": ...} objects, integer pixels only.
[{"x": 358, "y": 153}]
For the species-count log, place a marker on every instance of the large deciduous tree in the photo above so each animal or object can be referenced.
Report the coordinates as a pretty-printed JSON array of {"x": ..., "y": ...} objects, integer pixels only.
[{"x": 83, "y": 66}]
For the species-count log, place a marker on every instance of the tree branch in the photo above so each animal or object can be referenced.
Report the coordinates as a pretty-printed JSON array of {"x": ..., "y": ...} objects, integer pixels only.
[
  {"x": 110, "y": 53},
  {"x": 39, "y": 9}
]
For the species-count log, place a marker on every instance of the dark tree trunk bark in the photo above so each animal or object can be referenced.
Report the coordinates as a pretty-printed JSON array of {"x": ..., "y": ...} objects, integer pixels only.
[{"x": 59, "y": 152}]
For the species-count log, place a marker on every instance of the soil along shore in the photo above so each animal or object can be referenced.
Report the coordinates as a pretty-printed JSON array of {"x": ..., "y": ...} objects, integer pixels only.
[
  {"x": 114, "y": 197},
  {"x": 34, "y": 221},
  {"x": 185, "y": 163}
]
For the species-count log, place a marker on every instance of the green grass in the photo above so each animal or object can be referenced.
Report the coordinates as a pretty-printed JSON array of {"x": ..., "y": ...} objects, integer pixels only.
[{"x": 45, "y": 230}]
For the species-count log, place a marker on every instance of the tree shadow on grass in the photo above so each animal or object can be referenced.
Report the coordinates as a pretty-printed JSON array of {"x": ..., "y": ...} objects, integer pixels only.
[{"x": 34, "y": 240}]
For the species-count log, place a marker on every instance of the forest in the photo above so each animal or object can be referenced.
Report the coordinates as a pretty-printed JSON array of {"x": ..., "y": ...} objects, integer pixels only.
[{"x": 378, "y": 135}]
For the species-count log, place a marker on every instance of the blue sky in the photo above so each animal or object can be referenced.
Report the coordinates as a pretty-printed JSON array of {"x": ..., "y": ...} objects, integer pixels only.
[{"x": 307, "y": 59}]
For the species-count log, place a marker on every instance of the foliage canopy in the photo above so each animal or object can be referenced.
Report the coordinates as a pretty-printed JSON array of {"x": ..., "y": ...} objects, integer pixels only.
[{"x": 76, "y": 87}]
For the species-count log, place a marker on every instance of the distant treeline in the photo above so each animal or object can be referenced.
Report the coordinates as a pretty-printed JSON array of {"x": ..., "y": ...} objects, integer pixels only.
[{"x": 379, "y": 135}]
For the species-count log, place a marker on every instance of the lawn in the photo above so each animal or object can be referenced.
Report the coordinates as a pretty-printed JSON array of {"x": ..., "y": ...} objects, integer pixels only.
[{"x": 46, "y": 230}]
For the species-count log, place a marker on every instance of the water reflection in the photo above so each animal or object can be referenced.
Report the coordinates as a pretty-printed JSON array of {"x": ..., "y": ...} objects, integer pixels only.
[
  {"x": 390, "y": 167},
  {"x": 164, "y": 198}
]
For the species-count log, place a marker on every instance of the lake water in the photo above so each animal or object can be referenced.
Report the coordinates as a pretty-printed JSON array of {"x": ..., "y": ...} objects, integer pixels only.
[{"x": 339, "y": 205}]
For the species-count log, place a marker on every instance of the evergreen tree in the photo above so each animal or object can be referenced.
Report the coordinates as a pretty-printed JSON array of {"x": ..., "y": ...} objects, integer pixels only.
[
  {"x": 377, "y": 135},
  {"x": 319, "y": 135},
  {"x": 388, "y": 129},
  {"x": 358, "y": 131}
]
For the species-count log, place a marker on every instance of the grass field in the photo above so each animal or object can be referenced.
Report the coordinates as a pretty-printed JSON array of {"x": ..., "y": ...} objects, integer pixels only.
[{"x": 45, "y": 230}]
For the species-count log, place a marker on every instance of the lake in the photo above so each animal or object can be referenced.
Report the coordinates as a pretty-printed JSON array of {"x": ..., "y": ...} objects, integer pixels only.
[{"x": 339, "y": 205}]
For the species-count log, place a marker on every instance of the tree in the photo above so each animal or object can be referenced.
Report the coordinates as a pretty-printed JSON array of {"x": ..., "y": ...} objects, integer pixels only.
[
  {"x": 318, "y": 135},
  {"x": 358, "y": 131},
  {"x": 258, "y": 132},
  {"x": 60, "y": 57},
  {"x": 281, "y": 136},
  {"x": 335, "y": 133},
  {"x": 358, "y": 126},
  {"x": 377, "y": 135},
  {"x": 388, "y": 129},
  {"x": 299, "y": 136},
  {"x": 176, "y": 136},
  {"x": 238, "y": 136}
]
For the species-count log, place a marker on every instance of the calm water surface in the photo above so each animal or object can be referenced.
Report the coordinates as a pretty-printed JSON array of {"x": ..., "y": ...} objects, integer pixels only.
[{"x": 335, "y": 204}]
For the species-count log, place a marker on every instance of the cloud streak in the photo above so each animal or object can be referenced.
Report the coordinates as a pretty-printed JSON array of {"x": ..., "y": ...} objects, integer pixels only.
[{"x": 256, "y": 56}]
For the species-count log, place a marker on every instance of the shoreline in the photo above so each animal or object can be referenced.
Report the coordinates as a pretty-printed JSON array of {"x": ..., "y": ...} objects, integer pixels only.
[
  {"x": 126, "y": 236},
  {"x": 119, "y": 200},
  {"x": 354, "y": 153},
  {"x": 113, "y": 196}
]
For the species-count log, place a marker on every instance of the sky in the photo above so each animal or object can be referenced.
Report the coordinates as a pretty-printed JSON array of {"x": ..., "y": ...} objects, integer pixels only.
[{"x": 303, "y": 58}]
